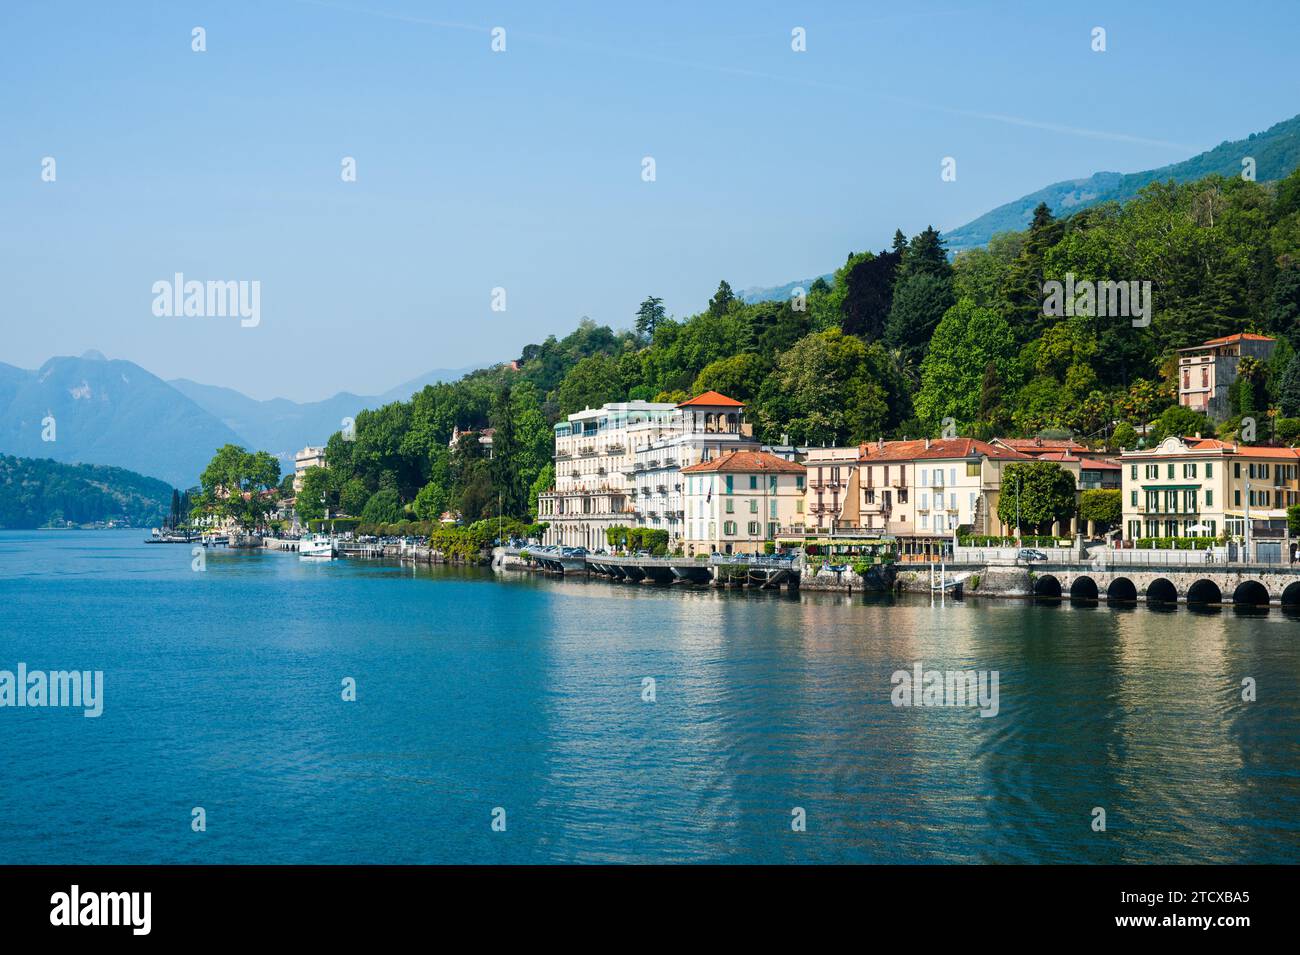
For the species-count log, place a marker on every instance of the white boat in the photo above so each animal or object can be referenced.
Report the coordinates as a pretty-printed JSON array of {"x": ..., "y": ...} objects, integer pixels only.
[{"x": 316, "y": 547}]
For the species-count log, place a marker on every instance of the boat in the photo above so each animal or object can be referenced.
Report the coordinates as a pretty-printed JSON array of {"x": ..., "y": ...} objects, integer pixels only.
[
  {"x": 170, "y": 537},
  {"x": 316, "y": 547}
]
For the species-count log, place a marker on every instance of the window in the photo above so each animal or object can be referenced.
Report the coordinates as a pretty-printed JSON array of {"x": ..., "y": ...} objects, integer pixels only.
[
  {"x": 925, "y": 477},
  {"x": 798, "y": 482},
  {"x": 731, "y": 506},
  {"x": 753, "y": 505},
  {"x": 1209, "y": 469},
  {"x": 1209, "y": 498},
  {"x": 925, "y": 521},
  {"x": 1133, "y": 471},
  {"x": 1236, "y": 497},
  {"x": 972, "y": 469},
  {"x": 753, "y": 528},
  {"x": 1236, "y": 471},
  {"x": 729, "y": 528},
  {"x": 753, "y": 482},
  {"x": 771, "y": 483},
  {"x": 925, "y": 502},
  {"x": 1189, "y": 470},
  {"x": 1169, "y": 469},
  {"x": 952, "y": 476},
  {"x": 1135, "y": 498},
  {"x": 798, "y": 506}
]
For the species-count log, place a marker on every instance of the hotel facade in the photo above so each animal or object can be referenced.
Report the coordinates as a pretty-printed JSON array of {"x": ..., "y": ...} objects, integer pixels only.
[{"x": 1203, "y": 487}]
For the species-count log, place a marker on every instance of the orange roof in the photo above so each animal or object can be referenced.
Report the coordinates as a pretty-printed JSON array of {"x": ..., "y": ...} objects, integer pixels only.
[
  {"x": 1239, "y": 337},
  {"x": 1030, "y": 445},
  {"x": 942, "y": 448},
  {"x": 712, "y": 399},
  {"x": 747, "y": 462}
]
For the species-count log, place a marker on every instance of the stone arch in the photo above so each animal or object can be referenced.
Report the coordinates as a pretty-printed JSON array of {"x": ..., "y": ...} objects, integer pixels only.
[
  {"x": 1122, "y": 589},
  {"x": 1250, "y": 593},
  {"x": 1162, "y": 591},
  {"x": 1291, "y": 596},
  {"x": 1204, "y": 592},
  {"x": 1084, "y": 588},
  {"x": 1047, "y": 586}
]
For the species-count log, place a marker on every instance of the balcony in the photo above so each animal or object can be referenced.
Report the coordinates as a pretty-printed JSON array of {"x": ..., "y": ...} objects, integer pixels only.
[
  {"x": 575, "y": 474},
  {"x": 615, "y": 448}
]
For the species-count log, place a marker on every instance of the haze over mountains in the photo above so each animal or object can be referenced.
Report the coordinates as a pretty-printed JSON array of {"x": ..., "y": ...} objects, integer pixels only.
[
  {"x": 111, "y": 411},
  {"x": 1276, "y": 152}
]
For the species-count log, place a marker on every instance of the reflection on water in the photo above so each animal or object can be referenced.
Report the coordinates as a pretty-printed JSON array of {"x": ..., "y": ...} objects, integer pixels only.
[{"x": 223, "y": 690}]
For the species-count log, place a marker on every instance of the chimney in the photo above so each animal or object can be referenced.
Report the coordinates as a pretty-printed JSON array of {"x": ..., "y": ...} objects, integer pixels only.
[
  {"x": 1198, "y": 436},
  {"x": 880, "y": 443},
  {"x": 927, "y": 444},
  {"x": 1038, "y": 440}
]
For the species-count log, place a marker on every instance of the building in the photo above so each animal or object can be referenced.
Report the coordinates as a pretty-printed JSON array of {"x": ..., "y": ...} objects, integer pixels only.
[
  {"x": 701, "y": 429},
  {"x": 595, "y": 451},
  {"x": 737, "y": 502},
  {"x": 308, "y": 457},
  {"x": 1206, "y": 372},
  {"x": 831, "y": 471},
  {"x": 1203, "y": 487},
  {"x": 484, "y": 438}
]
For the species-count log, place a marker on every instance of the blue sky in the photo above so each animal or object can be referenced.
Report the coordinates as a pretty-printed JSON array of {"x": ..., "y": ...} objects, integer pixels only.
[{"x": 522, "y": 169}]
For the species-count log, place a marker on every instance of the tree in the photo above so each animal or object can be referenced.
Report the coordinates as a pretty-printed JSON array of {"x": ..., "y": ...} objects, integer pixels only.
[
  {"x": 236, "y": 485},
  {"x": 544, "y": 482},
  {"x": 589, "y": 384},
  {"x": 1125, "y": 436},
  {"x": 1289, "y": 389},
  {"x": 926, "y": 255},
  {"x": 430, "y": 502},
  {"x": 353, "y": 497},
  {"x": 955, "y": 372},
  {"x": 384, "y": 507},
  {"x": 314, "y": 496},
  {"x": 739, "y": 377},
  {"x": 648, "y": 316},
  {"x": 1044, "y": 490},
  {"x": 722, "y": 299},
  {"x": 1104, "y": 507},
  {"x": 919, "y": 303},
  {"x": 868, "y": 293}
]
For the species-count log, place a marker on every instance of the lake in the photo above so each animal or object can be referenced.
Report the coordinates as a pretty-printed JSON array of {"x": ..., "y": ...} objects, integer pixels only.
[{"x": 482, "y": 696}]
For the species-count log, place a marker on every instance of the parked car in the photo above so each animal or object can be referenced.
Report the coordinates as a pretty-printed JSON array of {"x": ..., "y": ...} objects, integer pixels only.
[{"x": 1029, "y": 554}]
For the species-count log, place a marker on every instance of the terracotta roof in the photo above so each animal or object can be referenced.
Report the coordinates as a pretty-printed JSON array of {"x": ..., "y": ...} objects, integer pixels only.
[
  {"x": 941, "y": 448},
  {"x": 1091, "y": 464},
  {"x": 746, "y": 462},
  {"x": 1031, "y": 445},
  {"x": 1239, "y": 337},
  {"x": 712, "y": 399}
]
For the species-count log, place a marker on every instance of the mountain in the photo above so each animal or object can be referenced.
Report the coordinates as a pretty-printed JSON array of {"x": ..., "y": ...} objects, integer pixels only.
[
  {"x": 281, "y": 426},
  {"x": 114, "y": 412},
  {"x": 1276, "y": 152},
  {"x": 107, "y": 412},
  {"x": 37, "y": 493}
]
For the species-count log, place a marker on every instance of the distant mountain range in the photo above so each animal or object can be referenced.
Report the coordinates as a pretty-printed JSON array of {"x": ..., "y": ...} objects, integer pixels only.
[
  {"x": 1276, "y": 152},
  {"x": 114, "y": 412}
]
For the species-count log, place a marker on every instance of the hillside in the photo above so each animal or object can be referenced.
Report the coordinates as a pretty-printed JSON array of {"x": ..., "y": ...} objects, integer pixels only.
[
  {"x": 1276, "y": 152},
  {"x": 37, "y": 493}
]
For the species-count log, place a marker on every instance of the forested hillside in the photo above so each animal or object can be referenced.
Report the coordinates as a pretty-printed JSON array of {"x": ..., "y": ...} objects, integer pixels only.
[
  {"x": 41, "y": 492},
  {"x": 898, "y": 341}
]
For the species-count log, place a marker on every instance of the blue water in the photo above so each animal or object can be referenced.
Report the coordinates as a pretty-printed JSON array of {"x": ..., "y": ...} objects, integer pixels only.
[{"x": 475, "y": 691}]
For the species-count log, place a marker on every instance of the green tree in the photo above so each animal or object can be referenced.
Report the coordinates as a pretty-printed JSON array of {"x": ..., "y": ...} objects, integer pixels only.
[
  {"x": 1289, "y": 389},
  {"x": 314, "y": 496},
  {"x": 384, "y": 507},
  {"x": 722, "y": 299},
  {"x": 590, "y": 383},
  {"x": 1044, "y": 490},
  {"x": 955, "y": 370},
  {"x": 649, "y": 315},
  {"x": 739, "y": 377},
  {"x": 1104, "y": 507},
  {"x": 919, "y": 303}
]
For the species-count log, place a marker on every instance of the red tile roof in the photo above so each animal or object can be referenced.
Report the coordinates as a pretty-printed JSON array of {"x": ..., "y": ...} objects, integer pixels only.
[
  {"x": 941, "y": 448},
  {"x": 746, "y": 462},
  {"x": 1034, "y": 445},
  {"x": 1239, "y": 337},
  {"x": 712, "y": 399}
]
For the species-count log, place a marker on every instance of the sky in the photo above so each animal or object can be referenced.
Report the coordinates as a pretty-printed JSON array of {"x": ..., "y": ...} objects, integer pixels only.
[{"x": 523, "y": 169}]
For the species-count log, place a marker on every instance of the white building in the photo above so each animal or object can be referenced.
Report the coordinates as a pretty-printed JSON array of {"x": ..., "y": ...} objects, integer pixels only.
[
  {"x": 594, "y": 451},
  {"x": 308, "y": 457},
  {"x": 705, "y": 427}
]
